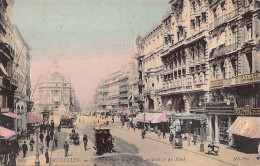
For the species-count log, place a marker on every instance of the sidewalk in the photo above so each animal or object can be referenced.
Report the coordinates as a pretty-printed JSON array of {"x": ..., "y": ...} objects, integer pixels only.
[
  {"x": 226, "y": 154},
  {"x": 30, "y": 155}
]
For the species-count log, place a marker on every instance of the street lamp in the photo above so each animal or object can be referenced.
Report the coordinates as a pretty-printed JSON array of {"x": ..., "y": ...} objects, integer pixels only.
[
  {"x": 201, "y": 137},
  {"x": 37, "y": 161},
  {"x": 144, "y": 119}
]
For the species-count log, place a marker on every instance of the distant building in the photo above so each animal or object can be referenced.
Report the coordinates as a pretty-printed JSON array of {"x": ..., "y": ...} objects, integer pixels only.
[{"x": 52, "y": 90}]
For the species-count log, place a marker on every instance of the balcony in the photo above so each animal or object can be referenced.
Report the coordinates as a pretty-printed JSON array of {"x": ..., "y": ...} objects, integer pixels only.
[
  {"x": 6, "y": 50},
  {"x": 223, "y": 50},
  {"x": 220, "y": 106},
  {"x": 223, "y": 19}
]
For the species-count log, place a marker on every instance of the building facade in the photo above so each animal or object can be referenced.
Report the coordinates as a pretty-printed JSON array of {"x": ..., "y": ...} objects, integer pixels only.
[
  {"x": 53, "y": 90},
  {"x": 202, "y": 58},
  {"x": 15, "y": 71},
  {"x": 118, "y": 91}
]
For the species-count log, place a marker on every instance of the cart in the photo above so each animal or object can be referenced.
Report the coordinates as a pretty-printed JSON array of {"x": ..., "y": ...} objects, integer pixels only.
[{"x": 103, "y": 140}]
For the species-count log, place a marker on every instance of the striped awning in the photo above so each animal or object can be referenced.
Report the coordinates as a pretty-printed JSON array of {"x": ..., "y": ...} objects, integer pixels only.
[
  {"x": 6, "y": 133},
  {"x": 246, "y": 126},
  {"x": 12, "y": 115}
]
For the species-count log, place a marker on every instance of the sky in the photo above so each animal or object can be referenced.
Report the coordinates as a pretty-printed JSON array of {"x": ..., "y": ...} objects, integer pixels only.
[{"x": 91, "y": 39}]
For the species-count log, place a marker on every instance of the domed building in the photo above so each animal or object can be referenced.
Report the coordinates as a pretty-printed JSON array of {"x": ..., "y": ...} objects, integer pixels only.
[{"x": 52, "y": 91}]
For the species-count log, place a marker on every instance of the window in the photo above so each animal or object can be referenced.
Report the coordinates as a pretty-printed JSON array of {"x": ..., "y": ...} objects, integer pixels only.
[
  {"x": 249, "y": 60},
  {"x": 204, "y": 18},
  {"x": 234, "y": 67},
  {"x": 249, "y": 32},
  {"x": 223, "y": 70},
  {"x": 214, "y": 70}
]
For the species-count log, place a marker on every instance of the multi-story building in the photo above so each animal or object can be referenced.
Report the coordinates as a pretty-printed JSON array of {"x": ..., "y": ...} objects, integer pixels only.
[
  {"x": 118, "y": 91},
  {"x": 53, "y": 90},
  {"x": 234, "y": 64},
  {"x": 202, "y": 58},
  {"x": 10, "y": 47},
  {"x": 22, "y": 75}
]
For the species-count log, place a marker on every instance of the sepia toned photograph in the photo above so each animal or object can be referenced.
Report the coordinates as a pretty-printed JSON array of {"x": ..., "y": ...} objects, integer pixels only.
[{"x": 129, "y": 83}]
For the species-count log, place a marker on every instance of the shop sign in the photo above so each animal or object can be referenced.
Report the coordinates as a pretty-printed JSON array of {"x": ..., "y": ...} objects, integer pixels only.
[
  {"x": 216, "y": 83},
  {"x": 247, "y": 110},
  {"x": 248, "y": 78}
]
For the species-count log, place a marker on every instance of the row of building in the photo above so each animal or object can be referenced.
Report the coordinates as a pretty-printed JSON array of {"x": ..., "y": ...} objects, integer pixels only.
[
  {"x": 203, "y": 58},
  {"x": 14, "y": 73}
]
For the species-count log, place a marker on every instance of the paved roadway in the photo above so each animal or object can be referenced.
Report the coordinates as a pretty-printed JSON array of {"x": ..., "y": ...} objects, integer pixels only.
[{"x": 130, "y": 149}]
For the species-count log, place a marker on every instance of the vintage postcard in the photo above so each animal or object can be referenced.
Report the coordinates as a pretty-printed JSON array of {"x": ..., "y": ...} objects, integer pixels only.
[{"x": 129, "y": 82}]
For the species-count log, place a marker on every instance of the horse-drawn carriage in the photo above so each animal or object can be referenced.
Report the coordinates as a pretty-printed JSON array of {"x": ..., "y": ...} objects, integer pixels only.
[
  {"x": 74, "y": 137},
  {"x": 67, "y": 121},
  {"x": 103, "y": 140}
]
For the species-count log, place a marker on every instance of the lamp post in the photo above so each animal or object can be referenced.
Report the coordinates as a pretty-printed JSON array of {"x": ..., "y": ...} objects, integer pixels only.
[
  {"x": 37, "y": 161},
  {"x": 201, "y": 136},
  {"x": 144, "y": 119}
]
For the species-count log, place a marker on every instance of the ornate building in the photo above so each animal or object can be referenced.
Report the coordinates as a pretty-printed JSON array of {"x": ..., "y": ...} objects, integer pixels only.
[
  {"x": 53, "y": 90},
  {"x": 119, "y": 90}
]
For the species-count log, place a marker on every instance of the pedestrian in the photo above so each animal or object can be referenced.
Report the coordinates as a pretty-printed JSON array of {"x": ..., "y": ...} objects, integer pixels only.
[
  {"x": 47, "y": 156},
  {"x": 66, "y": 148},
  {"x": 41, "y": 128},
  {"x": 48, "y": 128},
  {"x": 159, "y": 133},
  {"x": 98, "y": 121},
  {"x": 194, "y": 138},
  {"x": 59, "y": 128},
  {"x": 16, "y": 147},
  {"x": 51, "y": 134},
  {"x": 41, "y": 137},
  {"x": 31, "y": 144},
  {"x": 164, "y": 136},
  {"x": 25, "y": 148},
  {"x": 44, "y": 128},
  {"x": 113, "y": 120},
  {"x": 258, "y": 158},
  {"x": 47, "y": 139},
  {"x": 56, "y": 140},
  {"x": 41, "y": 146},
  {"x": 134, "y": 128},
  {"x": 52, "y": 125},
  {"x": 171, "y": 138},
  {"x": 85, "y": 140},
  {"x": 28, "y": 134},
  {"x": 12, "y": 158}
]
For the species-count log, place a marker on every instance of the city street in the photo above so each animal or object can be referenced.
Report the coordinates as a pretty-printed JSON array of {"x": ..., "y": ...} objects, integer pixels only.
[{"x": 131, "y": 149}]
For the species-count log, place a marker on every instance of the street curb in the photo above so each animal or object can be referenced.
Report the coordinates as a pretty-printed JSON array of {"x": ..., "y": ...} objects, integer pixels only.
[{"x": 182, "y": 148}]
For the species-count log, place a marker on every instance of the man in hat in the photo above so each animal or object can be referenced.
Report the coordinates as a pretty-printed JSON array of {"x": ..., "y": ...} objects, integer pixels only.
[
  {"x": 66, "y": 148},
  {"x": 47, "y": 156},
  {"x": 25, "y": 148},
  {"x": 31, "y": 144}
]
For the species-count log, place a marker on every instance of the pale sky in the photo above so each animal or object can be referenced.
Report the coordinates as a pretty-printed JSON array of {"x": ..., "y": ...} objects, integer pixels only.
[{"x": 90, "y": 38}]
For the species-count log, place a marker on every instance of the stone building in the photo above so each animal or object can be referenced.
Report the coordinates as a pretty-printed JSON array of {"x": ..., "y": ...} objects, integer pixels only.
[
  {"x": 53, "y": 90},
  {"x": 202, "y": 58},
  {"x": 118, "y": 90},
  {"x": 14, "y": 73},
  {"x": 22, "y": 75}
]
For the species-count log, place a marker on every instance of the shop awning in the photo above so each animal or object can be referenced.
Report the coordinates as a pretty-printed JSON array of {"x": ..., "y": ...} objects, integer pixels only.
[
  {"x": 32, "y": 118},
  {"x": 129, "y": 112},
  {"x": 12, "y": 115},
  {"x": 187, "y": 116},
  {"x": 6, "y": 133},
  {"x": 163, "y": 118},
  {"x": 246, "y": 126}
]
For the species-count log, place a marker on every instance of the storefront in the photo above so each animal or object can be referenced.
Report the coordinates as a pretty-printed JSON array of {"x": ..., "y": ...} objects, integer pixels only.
[
  {"x": 185, "y": 123},
  {"x": 246, "y": 129}
]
